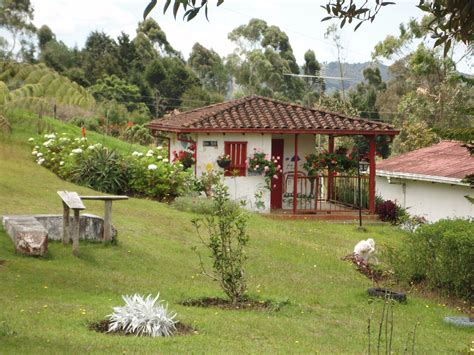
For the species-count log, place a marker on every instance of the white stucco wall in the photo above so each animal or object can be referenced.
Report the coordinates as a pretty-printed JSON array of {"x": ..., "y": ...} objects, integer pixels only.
[
  {"x": 433, "y": 201},
  {"x": 245, "y": 187}
]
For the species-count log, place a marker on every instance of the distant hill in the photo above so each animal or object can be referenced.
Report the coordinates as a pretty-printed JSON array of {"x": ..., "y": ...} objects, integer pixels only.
[{"x": 351, "y": 70}]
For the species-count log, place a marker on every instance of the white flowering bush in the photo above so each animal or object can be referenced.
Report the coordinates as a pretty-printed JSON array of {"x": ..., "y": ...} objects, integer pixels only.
[
  {"x": 152, "y": 175},
  {"x": 57, "y": 152},
  {"x": 143, "y": 316},
  {"x": 148, "y": 174}
]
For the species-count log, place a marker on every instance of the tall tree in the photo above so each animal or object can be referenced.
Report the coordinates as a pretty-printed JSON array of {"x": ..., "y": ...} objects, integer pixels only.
[
  {"x": 210, "y": 69},
  {"x": 16, "y": 18},
  {"x": 262, "y": 61},
  {"x": 100, "y": 57},
  {"x": 315, "y": 86}
]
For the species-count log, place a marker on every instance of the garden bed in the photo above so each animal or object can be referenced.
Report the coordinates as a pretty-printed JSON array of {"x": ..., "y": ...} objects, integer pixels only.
[
  {"x": 248, "y": 304},
  {"x": 102, "y": 326}
]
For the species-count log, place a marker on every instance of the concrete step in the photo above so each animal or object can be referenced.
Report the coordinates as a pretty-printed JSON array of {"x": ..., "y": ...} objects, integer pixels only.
[{"x": 28, "y": 235}]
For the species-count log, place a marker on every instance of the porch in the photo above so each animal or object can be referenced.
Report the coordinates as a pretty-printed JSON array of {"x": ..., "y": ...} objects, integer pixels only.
[{"x": 327, "y": 190}]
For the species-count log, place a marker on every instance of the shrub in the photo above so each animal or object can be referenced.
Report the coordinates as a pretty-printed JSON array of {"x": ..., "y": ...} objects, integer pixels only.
[
  {"x": 227, "y": 231},
  {"x": 442, "y": 254},
  {"x": 207, "y": 181},
  {"x": 194, "y": 203},
  {"x": 101, "y": 169},
  {"x": 143, "y": 316},
  {"x": 390, "y": 211},
  {"x": 152, "y": 175},
  {"x": 90, "y": 123},
  {"x": 137, "y": 134}
]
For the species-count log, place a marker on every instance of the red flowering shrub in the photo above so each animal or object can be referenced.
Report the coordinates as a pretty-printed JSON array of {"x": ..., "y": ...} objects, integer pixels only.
[{"x": 186, "y": 157}]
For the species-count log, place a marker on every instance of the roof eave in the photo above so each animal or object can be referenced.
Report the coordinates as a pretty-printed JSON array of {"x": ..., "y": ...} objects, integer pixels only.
[
  {"x": 421, "y": 177},
  {"x": 391, "y": 132}
]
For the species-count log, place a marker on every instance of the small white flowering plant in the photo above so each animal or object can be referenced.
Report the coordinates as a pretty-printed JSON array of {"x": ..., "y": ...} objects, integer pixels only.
[{"x": 143, "y": 316}]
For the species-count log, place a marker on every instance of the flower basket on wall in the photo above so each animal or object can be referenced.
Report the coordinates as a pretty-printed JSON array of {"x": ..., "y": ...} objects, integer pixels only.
[{"x": 224, "y": 161}]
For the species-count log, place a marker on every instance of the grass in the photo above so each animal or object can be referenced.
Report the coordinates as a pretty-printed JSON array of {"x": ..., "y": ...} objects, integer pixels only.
[{"x": 47, "y": 303}]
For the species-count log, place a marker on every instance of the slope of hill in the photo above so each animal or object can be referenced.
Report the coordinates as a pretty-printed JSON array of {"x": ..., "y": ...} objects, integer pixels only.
[
  {"x": 352, "y": 71},
  {"x": 46, "y": 304}
]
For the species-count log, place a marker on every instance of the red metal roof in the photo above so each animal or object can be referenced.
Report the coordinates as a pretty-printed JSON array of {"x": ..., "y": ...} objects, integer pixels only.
[
  {"x": 445, "y": 159},
  {"x": 261, "y": 114}
]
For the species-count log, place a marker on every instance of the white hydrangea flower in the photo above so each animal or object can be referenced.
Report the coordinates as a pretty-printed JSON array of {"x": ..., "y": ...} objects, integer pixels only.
[
  {"x": 159, "y": 157},
  {"x": 34, "y": 152},
  {"x": 36, "y": 146},
  {"x": 165, "y": 160},
  {"x": 159, "y": 147},
  {"x": 152, "y": 167},
  {"x": 83, "y": 139},
  {"x": 149, "y": 154},
  {"x": 91, "y": 147},
  {"x": 64, "y": 139},
  {"x": 61, "y": 163},
  {"x": 31, "y": 140},
  {"x": 39, "y": 154},
  {"x": 76, "y": 151},
  {"x": 40, "y": 161},
  {"x": 136, "y": 154},
  {"x": 77, "y": 139}
]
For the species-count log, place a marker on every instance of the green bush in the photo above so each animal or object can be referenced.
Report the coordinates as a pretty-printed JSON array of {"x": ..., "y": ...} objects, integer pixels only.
[
  {"x": 152, "y": 175},
  {"x": 225, "y": 237},
  {"x": 194, "y": 203},
  {"x": 149, "y": 175},
  {"x": 137, "y": 134},
  {"x": 199, "y": 204},
  {"x": 90, "y": 123},
  {"x": 100, "y": 169},
  {"x": 442, "y": 254}
]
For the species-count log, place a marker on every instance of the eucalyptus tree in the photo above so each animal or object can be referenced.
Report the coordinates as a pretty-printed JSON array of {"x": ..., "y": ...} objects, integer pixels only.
[{"x": 262, "y": 58}]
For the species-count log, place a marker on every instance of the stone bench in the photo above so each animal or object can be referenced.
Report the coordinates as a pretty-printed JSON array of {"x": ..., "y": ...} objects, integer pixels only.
[{"x": 28, "y": 235}]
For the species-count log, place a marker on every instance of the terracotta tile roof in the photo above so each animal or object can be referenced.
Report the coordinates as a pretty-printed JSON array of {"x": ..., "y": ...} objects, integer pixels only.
[
  {"x": 261, "y": 114},
  {"x": 446, "y": 159}
]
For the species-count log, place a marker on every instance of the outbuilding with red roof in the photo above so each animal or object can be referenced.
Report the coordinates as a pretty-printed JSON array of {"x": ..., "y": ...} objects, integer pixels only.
[{"x": 429, "y": 181}]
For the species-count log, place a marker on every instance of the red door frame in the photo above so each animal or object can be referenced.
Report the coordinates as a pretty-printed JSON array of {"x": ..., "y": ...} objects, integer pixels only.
[{"x": 276, "y": 194}]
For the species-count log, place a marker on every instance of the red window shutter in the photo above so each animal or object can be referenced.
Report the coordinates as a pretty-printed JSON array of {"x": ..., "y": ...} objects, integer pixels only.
[{"x": 238, "y": 155}]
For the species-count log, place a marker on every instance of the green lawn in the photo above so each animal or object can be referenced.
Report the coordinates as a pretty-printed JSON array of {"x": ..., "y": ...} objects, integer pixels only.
[{"x": 43, "y": 300}]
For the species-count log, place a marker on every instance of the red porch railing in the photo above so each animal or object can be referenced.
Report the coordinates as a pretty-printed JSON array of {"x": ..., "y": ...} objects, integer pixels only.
[{"x": 315, "y": 194}]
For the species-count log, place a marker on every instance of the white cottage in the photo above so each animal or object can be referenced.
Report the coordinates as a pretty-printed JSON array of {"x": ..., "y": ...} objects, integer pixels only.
[
  {"x": 428, "y": 181},
  {"x": 282, "y": 130}
]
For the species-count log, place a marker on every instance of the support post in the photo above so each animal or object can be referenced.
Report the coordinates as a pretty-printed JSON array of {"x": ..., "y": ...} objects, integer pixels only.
[
  {"x": 330, "y": 172},
  {"x": 75, "y": 233},
  {"x": 295, "y": 178},
  {"x": 372, "y": 168},
  {"x": 108, "y": 221},
  {"x": 66, "y": 238}
]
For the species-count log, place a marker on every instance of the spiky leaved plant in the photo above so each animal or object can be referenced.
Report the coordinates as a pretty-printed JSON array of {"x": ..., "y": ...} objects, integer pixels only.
[{"x": 143, "y": 316}]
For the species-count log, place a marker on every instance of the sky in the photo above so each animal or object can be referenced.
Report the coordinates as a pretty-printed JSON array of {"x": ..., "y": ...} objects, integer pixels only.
[{"x": 73, "y": 20}]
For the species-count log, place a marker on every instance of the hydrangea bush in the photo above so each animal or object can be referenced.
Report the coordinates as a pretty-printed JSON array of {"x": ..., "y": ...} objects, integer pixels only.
[
  {"x": 152, "y": 175},
  {"x": 147, "y": 174}
]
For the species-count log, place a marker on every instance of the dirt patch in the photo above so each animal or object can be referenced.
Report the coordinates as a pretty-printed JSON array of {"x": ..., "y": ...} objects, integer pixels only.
[
  {"x": 102, "y": 326},
  {"x": 2, "y": 262},
  {"x": 248, "y": 304}
]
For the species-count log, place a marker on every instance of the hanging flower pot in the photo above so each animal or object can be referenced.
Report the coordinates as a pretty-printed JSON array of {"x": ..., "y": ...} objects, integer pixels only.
[{"x": 224, "y": 161}]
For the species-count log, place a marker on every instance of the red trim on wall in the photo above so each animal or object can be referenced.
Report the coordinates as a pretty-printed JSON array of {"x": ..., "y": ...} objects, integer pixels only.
[{"x": 330, "y": 172}]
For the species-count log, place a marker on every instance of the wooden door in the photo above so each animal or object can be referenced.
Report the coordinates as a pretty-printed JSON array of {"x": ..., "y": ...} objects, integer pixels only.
[{"x": 276, "y": 194}]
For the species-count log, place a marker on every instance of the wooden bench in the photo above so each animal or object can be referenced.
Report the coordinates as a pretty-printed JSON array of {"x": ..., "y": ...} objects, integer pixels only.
[
  {"x": 107, "y": 237},
  {"x": 71, "y": 200}
]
